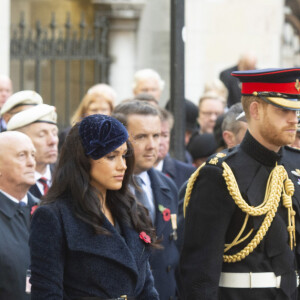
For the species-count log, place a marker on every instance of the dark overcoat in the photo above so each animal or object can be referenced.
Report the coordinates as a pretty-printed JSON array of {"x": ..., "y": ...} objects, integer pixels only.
[
  {"x": 214, "y": 219},
  {"x": 68, "y": 260},
  {"x": 14, "y": 249},
  {"x": 177, "y": 170},
  {"x": 164, "y": 262},
  {"x": 232, "y": 84}
]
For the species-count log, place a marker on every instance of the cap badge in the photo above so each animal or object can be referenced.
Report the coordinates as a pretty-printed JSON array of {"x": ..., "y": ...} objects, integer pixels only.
[{"x": 297, "y": 85}]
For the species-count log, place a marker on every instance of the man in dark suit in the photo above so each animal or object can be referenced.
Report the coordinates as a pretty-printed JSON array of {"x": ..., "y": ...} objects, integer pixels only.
[
  {"x": 158, "y": 192},
  {"x": 39, "y": 123},
  {"x": 241, "y": 228},
  {"x": 173, "y": 168},
  {"x": 17, "y": 165},
  {"x": 246, "y": 62}
]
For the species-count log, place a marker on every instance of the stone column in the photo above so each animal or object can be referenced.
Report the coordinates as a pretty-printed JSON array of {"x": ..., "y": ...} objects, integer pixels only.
[
  {"x": 124, "y": 18},
  {"x": 5, "y": 36}
]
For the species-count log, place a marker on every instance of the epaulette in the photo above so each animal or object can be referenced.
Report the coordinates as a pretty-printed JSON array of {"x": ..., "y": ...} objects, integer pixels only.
[
  {"x": 218, "y": 158},
  {"x": 215, "y": 160}
]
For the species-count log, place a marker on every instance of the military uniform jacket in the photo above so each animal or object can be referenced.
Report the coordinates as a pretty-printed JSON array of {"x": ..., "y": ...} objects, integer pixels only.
[
  {"x": 14, "y": 249},
  {"x": 213, "y": 219},
  {"x": 69, "y": 261}
]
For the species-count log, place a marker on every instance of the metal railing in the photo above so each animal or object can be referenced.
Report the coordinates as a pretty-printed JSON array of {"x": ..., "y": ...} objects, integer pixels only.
[{"x": 56, "y": 50}]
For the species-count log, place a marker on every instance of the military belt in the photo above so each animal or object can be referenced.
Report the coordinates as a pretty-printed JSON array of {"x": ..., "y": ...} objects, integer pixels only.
[{"x": 249, "y": 280}]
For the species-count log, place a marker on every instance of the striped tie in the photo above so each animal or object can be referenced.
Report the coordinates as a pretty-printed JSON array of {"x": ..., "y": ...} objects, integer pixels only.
[{"x": 43, "y": 181}]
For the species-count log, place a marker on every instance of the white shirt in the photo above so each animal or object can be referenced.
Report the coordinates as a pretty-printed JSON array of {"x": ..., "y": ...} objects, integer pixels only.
[{"x": 159, "y": 166}]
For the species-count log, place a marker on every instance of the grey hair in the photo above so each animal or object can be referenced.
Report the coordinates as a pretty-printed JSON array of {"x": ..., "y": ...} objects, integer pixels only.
[
  {"x": 230, "y": 122},
  {"x": 145, "y": 74}
]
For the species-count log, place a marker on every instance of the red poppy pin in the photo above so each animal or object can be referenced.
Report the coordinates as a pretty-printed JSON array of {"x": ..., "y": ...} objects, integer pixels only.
[
  {"x": 145, "y": 237},
  {"x": 33, "y": 208},
  {"x": 165, "y": 212}
]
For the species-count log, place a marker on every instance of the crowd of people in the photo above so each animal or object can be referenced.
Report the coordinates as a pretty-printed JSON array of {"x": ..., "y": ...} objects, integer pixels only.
[{"x": 100, "y": 209}]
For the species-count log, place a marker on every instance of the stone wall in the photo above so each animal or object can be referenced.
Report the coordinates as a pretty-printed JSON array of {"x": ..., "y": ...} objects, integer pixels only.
[{"x": 217, "y": 33}]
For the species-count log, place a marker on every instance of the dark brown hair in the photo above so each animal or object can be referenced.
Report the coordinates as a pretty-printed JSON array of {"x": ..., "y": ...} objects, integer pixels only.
[{"x": 71, "y": 181}]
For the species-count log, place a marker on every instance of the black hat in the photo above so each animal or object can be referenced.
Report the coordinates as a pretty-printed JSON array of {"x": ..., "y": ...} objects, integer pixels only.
[
  {"x": 191, "y": 115},
  {"x": 101, "y": 134},
  {"x": 202, "y": 145},
  {"x": 280, "y": 87}
]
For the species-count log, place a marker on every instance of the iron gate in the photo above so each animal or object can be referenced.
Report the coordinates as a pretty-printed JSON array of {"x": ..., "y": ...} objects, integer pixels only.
[{"x": 58, "y": 62}]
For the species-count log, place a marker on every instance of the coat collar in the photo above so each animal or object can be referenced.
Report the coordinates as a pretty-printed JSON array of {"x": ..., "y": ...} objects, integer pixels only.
[
  {"x": 10, "y": 208},
  {"x": 169, "y": 167},
  {"x": 258, "y": 152},
  {"x": 128, "y": 250}
]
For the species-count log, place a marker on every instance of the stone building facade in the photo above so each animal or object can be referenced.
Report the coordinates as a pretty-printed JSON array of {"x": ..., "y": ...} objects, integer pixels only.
[{"x": 217, "y": 32}]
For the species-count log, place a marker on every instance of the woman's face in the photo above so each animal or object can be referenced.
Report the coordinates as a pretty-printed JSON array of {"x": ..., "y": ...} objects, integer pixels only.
[
  {"x": 107, "y": 173},
  {"x": 98, "y": 106}
]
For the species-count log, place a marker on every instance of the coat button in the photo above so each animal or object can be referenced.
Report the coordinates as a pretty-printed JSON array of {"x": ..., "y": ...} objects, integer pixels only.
[{"x": 169, "y": 268}]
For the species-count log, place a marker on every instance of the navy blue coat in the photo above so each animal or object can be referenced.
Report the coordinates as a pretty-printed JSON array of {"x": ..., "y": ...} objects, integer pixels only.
[
  {"x": 164, "y": 262},
  {"x": 14, "y": 249},
  {"x": 69, "y": 261},
  {"x": 177, "y": 170}
]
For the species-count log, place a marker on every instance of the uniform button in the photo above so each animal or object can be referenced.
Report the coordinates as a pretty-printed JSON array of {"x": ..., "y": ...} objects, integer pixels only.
[{"x": 169, "y": 268}]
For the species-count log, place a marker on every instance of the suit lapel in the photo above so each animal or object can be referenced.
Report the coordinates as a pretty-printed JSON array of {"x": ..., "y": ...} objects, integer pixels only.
[
  {"x": 34, "y": 190},
  {"x": 161, "y": 194},
  {"x": 169, "y": 167}
]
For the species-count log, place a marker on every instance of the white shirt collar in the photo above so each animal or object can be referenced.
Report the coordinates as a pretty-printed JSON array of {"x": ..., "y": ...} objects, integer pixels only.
[
  {"x": 24, "y": 199},
  {"x": 159, "y": 166},
  {"x": 144, "y": 175},
  {"x": 47, "y": 174}
]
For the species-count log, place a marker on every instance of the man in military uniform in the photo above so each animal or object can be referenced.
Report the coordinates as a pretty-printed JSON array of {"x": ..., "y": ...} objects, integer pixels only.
[{"x": 240, "y": 235}]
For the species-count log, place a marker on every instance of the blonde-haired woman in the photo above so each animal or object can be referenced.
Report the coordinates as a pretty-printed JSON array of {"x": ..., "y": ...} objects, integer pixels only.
[
  {"x": 91, "y": 104},
  {"x": 99, "y": 99}
]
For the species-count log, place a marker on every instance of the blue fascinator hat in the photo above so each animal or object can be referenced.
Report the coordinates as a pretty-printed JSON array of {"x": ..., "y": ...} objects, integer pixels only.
[{"x": 101, "y": 134}]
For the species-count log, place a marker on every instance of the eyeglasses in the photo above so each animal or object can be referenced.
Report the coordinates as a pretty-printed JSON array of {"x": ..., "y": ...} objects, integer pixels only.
[{"x": 210, "y": 113}]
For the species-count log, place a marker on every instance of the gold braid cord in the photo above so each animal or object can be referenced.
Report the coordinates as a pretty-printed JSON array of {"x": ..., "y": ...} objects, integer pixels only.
[
  {"x": 189, "y": 188},
  {"x": 278, "y": 184}
]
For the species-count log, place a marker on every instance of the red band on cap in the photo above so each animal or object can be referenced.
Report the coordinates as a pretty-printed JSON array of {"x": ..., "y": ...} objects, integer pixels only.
[{"x": 288, "y": 87}]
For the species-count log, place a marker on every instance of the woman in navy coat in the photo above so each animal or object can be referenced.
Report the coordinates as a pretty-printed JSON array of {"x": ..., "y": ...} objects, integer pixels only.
[{"x": 90, "y": 239}]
